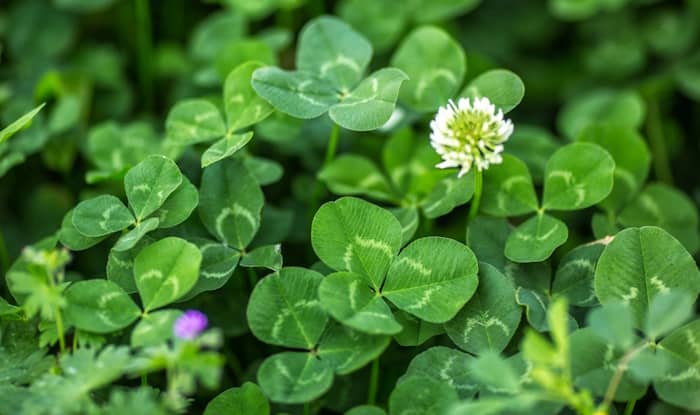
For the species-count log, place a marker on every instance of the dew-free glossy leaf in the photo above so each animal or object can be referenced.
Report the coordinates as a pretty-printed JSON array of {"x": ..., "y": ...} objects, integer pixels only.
[
  {"x": 194, "y": 121},
  {"x": 574, "y": 276},
  {"x": 149, "y": 184},
  {"x": 415, "y": 331},
  {"x": 99, "y": 306},
  {"x": 154, "y": 328},
  {"x": 165, "y": 271},
  {"x": 577, "y": 176},
  {"x": 353, "y": 235},
  {"x": 243, "y": 107},
  {"x": 371, "y": 103},
  {"x": 218, "y": 263},
  {"x": 299, "y": 94},
  {"x": 508, "y": 189},
  {"x": 536, "y": 239},
  {"x": 178, "y": 206},
  {"x": 490, "y": 318},
  {"x": 349, "y": 299},
  {"x": 350, "y": 174},
  {"x": 131, "y": 238},
  {"x": 19, "y": 123},
  {"x": 101, "y": 216},
  {"x": 266, "y": 256},
  {"x": 226, "y": 147},
  {"x": 641, "y": 263},
  {"x": 668, "y": 208},
  {"x": 294, "y": 377},
  {"x": 346, "y": 350},
  {"x": 230, "y": 202},
  {"x": 72, "y": 239},
  {"x": 680, "y": 384},
  {"x": 432, "y": 278},
  {"x": 333, "y": 51},
  {"x": 435, "y": 64},
  {"x": 120, "y": 265},
  {"x": 502, "y": 87},
  {"x": 668, "y": 311},
  {"x": 447, "y": 366},
  {"x": 284, "y": 309},
  {"x": 449, "y": 193},
  {"x": 421, "y": 395},
  {"x": 247, "y": 399},
  {"x": 622, "y": 108},
  {"x": 631, "y": 156}
]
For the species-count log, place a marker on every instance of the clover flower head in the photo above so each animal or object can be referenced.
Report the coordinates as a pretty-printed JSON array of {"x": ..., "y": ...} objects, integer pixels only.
[
  {"x": 470, "y": 132},
  {"x": 190, "y": 324}
]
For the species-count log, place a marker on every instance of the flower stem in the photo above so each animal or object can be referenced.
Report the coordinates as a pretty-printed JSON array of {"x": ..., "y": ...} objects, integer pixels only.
[
  {"x": 373, "y": 383},
  {"x": 476, "y": 199},
  {"x": 145, "y": 46},
  {"x": 657, "y": 142},
  {"x": 630, "y": 407}
]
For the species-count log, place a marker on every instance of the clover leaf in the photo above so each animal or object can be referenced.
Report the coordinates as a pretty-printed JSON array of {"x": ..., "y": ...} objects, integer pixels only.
[
  {"x": 331, "y": 61},
  {"x": 159, "y": 197}
]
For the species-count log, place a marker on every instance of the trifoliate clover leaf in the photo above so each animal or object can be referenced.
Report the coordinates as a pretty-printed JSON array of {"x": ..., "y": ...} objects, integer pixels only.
[{"x": 331, "y": 62}]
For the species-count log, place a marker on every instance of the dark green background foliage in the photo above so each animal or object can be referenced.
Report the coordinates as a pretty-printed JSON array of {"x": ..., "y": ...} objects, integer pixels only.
[{"x": 268, "y": 162}]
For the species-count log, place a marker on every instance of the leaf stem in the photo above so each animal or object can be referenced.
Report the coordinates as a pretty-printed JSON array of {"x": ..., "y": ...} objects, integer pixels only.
[
  {"x": 4, "y": 256},
  {"x": 307, "y": 408},
  {"x": 373, "y": 383},
  {"x": 330, "y": 156},
  {"x": 617, "y": 376},
  {"x": 476, "y": 199},
  {"x": 657, "y": 141},
  {"x": 332, "y": 145},
  {"x": 630, "y": 407},
  {"x": 145, "y": 46},
  {"x": 59, "y": 329}
]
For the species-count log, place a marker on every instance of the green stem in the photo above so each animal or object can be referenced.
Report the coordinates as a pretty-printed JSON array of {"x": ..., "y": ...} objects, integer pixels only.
[
  {"x": 252, "y": 278},
  {"x": 59, "y": 330},
  {"x": 373, "y": 383},
  {"x": 476, "y": 199},
  {"x": 144, "y": 379},
  {"x": 307, "y": 408},
  {"x": 630, "y": 407},
  {"x": 145, "y": 46},
  {"x": 328, "y": 159},
  {"x": 75, "y": 340},
  {"x": 619, "y": 372},
  {"x": 657, "y": 142},
  {"x": 332, "y": 145},
  {"x": 4, "y": 256}
]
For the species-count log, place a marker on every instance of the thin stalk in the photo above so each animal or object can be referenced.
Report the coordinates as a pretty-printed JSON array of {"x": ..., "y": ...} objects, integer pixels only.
[
  {"x": 4, "y": 256},
  {"x": 332, "y": 145},
  {"x": 617, "y": 376},
  {"x": 307, "y": 408},
  {"x": 59, "y": 330},
  {"x": 252, "y": 278},
  {"x": 630, "y": 407},
  {"x": 75, "y": 340},
  {"x": 145, "y": 46},
  {"x": 657, "y": 142},
  {"x": 328, "y": 159},
  {"x": 476, "y": 199},
  {"x": 144, "y": 379},
  {"x": 373, "y": 383}
]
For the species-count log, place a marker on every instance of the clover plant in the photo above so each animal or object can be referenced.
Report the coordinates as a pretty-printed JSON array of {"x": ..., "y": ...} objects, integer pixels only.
[{"x": 354, "y": 207}]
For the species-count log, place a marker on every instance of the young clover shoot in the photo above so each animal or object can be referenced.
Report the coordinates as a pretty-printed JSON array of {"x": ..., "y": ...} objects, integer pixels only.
[{"x": 470, "y": 133}]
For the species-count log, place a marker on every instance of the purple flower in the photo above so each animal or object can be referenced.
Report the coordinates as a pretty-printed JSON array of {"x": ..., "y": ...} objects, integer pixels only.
[{"x": 190, "y": 324}]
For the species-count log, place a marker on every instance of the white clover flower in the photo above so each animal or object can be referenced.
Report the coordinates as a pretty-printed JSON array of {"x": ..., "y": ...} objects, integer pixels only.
[{"x": 469, "y": 133}]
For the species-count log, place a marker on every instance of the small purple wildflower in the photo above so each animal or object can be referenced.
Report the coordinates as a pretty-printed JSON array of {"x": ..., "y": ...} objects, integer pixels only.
[{"x": 190, "y": 324}]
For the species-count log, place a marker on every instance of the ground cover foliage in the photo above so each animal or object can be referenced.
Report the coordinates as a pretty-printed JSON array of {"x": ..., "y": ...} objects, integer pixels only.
[{"x": 349, "y": 207}]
